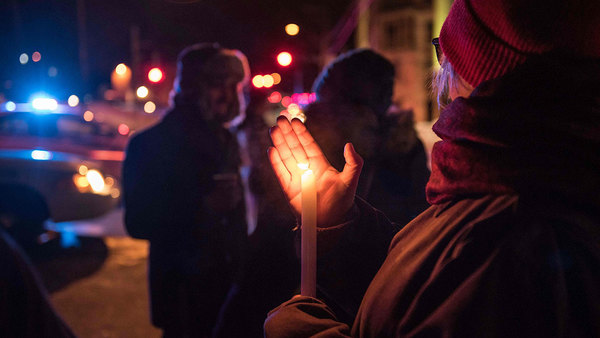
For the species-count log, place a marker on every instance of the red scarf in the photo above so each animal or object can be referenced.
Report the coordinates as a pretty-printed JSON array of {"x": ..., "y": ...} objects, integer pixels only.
[{"x": 534, "y": 131}]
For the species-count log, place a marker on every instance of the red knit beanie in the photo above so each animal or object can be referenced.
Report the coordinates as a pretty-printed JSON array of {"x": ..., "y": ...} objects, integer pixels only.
[{"x": 485, "y": 39}]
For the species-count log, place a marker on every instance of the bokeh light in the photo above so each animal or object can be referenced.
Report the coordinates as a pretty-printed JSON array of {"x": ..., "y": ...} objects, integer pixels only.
[
  {"x": 123, "y": 129},
  {"x": 275, "y": 97},
  {"x": 303, "y": 98},
  {"x": 294, "y": 109},
  {"x": 121, "y": 69},
  {"x": 292, "y": 29},
  {"x": 284, "y": 59},
  {"x": 88, "y": 115},
  {"x": 81, "y": 181},
  {"x": 95, "y": 179},
  {"x": 73, "y": 100},
  {"x": 276, "y": 78},
  {"x": 83, "y": 169},
  {"x": 10, "y": 106},
  {"x": 285, "y": 101},
  {"x": 142, "y": 92},
  {"x": 155, "y": 75},
  {"x": 36, "y": 56},
  {"x": 23, "y": 58},
  {"x": 257, "y": 81},
  {"x": 115, "y": 193},
  {"x": 149, "y": 107},
  {"x": 268, "y": 81}
]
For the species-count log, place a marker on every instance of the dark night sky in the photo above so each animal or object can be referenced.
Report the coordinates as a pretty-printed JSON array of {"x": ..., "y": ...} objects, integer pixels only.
[{"x": 166, "y": 26}]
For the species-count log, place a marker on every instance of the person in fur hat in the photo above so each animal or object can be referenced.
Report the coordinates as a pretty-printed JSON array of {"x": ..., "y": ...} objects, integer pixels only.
[{"x": 183, "y": 193}]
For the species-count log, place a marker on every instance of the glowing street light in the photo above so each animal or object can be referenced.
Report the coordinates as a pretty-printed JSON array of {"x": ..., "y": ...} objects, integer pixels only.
[
  {"x": 292, "y": 29},
  {"x": 120, "y": 78},
  {"x": 121, "y": 69},
  {"x": 284, "y": 59},
  {"x": 142, "y": 92},
  {"x": 155, "y": 75}
]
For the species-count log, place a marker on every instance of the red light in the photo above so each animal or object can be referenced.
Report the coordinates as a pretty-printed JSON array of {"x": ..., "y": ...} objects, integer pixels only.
[
  {"x": 275, "y": 97},
  {"x": 123, "y": 129},
  {"x": 155, "y": 75},
  {"x": 284, "y": 59},
  {"x": 36, "y": 56},
  {"x": 286, "y": 101}
]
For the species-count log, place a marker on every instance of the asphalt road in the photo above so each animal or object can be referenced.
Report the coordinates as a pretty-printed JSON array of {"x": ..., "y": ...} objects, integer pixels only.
[{"x": 97, "y": 281}]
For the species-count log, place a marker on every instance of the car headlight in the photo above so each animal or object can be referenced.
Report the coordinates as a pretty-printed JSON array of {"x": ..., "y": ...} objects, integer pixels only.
[
  {"x": 92, "y": 181},
  {"x": 96, "y": 180}
]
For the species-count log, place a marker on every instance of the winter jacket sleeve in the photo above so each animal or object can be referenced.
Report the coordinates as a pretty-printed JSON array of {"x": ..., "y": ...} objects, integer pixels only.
[
  {"x": 350, "y": 255},
  {"x": 304, "y": 316}
]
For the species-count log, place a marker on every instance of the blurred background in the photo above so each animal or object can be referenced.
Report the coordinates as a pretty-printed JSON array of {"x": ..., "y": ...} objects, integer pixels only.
[{"x": 79, "y": 77}]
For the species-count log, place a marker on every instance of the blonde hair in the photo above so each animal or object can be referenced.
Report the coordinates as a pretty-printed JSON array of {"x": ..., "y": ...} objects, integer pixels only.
[{"x": 444, "y": 79}]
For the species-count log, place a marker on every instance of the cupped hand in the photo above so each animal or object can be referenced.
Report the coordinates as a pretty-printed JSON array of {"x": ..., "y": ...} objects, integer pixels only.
[{"x": 294, "y": 144}]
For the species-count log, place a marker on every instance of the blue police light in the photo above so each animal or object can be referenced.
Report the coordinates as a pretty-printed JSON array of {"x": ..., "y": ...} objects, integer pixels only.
[
  {"x": 41, "y": 155},
  {"x": 44, "y": 104}
]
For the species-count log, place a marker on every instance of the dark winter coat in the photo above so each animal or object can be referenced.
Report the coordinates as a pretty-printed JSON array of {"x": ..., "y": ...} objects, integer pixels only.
[
  {"x": 183, "y": 194},
  {"x": 511, "y": 245}
]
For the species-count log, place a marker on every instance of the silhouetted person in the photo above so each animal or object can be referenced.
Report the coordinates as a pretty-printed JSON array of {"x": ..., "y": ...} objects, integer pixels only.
[
  {"x": 511, "y": 244},
  {"x": 353, "y": 95},
  {"x": 183, "y": 193},
  {"x": 25, "y": 307}
]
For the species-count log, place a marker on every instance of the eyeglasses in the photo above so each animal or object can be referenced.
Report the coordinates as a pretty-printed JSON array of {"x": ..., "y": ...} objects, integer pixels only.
[{"x": 438, "y": 50}]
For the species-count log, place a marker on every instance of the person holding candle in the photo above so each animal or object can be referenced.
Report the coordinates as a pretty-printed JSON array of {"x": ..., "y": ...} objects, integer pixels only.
[{"x": 511, "y": 244}]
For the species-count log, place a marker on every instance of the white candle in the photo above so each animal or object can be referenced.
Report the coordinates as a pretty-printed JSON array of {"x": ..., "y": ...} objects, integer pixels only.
[{"x": 308, "y": 279}]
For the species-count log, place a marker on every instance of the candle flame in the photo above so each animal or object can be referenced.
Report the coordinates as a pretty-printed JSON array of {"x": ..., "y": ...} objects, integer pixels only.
[
  {"x": 303, "y": 166},
  {"x": 307, "y": 173}
]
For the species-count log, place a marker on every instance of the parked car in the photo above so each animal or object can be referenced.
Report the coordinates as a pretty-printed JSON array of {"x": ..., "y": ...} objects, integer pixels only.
[{"x": 56, "y": 166}]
